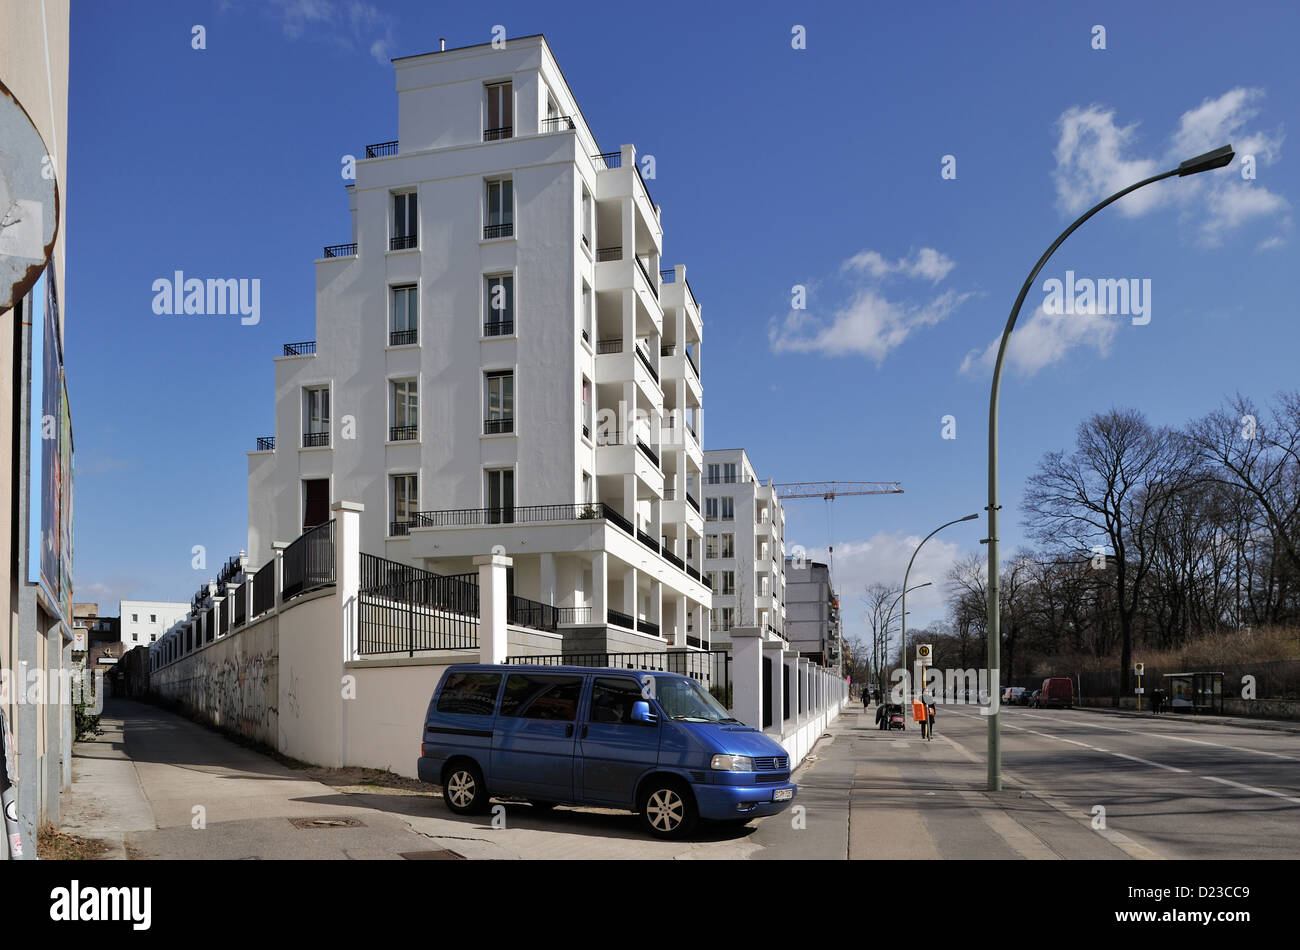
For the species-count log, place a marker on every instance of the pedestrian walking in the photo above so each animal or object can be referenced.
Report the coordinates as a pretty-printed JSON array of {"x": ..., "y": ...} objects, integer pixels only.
[
  {"x": 929, "y": 725},
  {"x": 866, "y": 699}
]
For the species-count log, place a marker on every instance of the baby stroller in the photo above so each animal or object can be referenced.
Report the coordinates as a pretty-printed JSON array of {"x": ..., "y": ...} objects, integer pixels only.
[{"x": 891, "y": 717}]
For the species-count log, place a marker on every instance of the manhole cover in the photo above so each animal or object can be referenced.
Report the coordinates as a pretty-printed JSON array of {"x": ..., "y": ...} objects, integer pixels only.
[
  {"x": 329, "y": 822},
  {"x": 438, "y": 854}
]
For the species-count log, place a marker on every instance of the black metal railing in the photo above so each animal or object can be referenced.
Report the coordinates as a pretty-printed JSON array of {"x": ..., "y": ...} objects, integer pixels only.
[
  {"x": 401, "y": 242},
  {"x": 692, "y": 501},
  {"x": 501, "y": 132},
  {"x": 673, "y": 558},
  {"x": 524, "y": 514},
  {"x": 609, "y": 346},
  {"x": 557, "y": 123},
  {"x": 300, "y": 349},
  {"x": 616, "y": 518},
  {"x": 209, "y": 624},
  {"x": 775, "y": 632},
  {"x": 264, "y": 588},
  {"x": 668, "y": 276},
  {"x": 650, "y": 453},
  {"x": 607, "y": 160},
  {"x": 397, "y": 529},
  {"x": 498, "y": 328},
  {"x": 523, "y": 612},
  {"x": 340, "y": 250},
  {"x": 402, "y": 337},
  {"x": 499, "y": 425},
  {"x": 620, "y": 619},
  {"x": 240, "y": 594},
  {"x": 402, "y": 609},
  {"x": 609, "y": 254},
  {"x": 645, "y": 361},
  {"x": 312, "y": 440},
  {"x": 266, "y": 443},
  {"x": 309, "y": 561},
  {"x": 647, "y": 626},
  {"x": 648, "y": 540},
  {"x": 711, "y": 668},
  {"x": 704, "y": 579},
  {"x": 574, "y": 614},
  {"x": 690, "y": 361},
  {"x": 654, "y": 286},
  {"x": 498, "y": 230},
  {"x": 381, "y": 149},
  {"x": 403, "y": 433}
]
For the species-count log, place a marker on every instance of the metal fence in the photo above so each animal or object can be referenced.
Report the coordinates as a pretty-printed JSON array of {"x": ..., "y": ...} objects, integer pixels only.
[
  {"x": 309, "y": 561},
  {"x": 264, "y": 588},
  {"x": 402, "y": 609},
  {"x": 712, "y": 668}
]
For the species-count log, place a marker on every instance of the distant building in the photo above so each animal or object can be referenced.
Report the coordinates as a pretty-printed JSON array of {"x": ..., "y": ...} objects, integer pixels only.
[
  {"x": 812, "y": 622},
  {"x": 144, "y": 621}
]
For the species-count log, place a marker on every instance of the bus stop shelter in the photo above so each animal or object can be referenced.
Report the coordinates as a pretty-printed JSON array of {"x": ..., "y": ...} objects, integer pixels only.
[{"x": 1195, "y": 692}]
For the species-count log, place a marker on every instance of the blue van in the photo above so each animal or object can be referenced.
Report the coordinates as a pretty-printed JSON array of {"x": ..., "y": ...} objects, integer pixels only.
[{"x": 655, "y": 743}]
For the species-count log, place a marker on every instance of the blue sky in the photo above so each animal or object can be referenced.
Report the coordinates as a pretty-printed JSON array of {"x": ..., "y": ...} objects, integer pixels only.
[{"x": 775, "y": 167}]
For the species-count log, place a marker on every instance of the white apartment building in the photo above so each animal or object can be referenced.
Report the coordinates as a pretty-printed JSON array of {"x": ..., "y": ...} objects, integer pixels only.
[
  {"x": 500, "y": 363},
  {"x": 744, "y": 547},
  {"x": 145, "y": 621},
  {"x": 813, "y": 613}
]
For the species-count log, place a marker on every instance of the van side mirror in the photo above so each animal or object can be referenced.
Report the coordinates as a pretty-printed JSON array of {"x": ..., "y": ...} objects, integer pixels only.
[{"x": 641, "y": 713}]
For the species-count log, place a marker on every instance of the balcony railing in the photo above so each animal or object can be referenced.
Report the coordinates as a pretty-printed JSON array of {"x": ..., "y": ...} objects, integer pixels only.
[
  {"x": 645, "y": 361},
  {"x": 402, "y": 337},
  {"x": 691, "y": 363},
  {"x": 401, "y": 242},
  {"x": 609, "y": 346},
  {"x": 692, "y": 571},
  {"x": 668, "y": 276},
  {"x": 266, "y": 443},
  {"x": 693, "y": 502},
  {"x": 647, "y": 626},
  {"x": 776, "y": 632},
  {"x": 647, "y": 539},
  {"x": 573, "y": 614},
  {"x": 397, "y": 529},
  {"x": 499, "y": 425},
  {"x": 498, "y": 230},
  {"x": 526, "y": 514},
  {"x": 609, "y": 254},
  {"x": 654, "y": 285},
  {"x": 650, "y": 453},
  {"x": 557, "y": 123},
  {"x": 499, "y": 328},
  {"x": 620, "y": 619},
  {"x": 300, "y": 349},
  {"x": 501, "y": 132},
  {"x": 721, "y": 479},
  {"x": 381, "y": 149},
  {"x": 403, "y": 433},
  {"x": 340, "y": 250},
  {"x": 607, "y": 160},
  {"x": 315, "y": 439},
  {"x": 673, "y": 558}
]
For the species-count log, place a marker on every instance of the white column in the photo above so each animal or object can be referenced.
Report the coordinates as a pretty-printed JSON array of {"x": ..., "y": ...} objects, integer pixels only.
[
  {"x": 790, "y": 659},
  {"x": 277, "y": 551},
  {"x": 493, "y": 638},
  {"x": 599, "y": 587},
  {"x": 547, "y": 570},
  {"x": 747, "y": 675},
  {"x": 804, "y": 686},
  {"x": 630, "y": 592},
  {"x": 772, "y": 651},
  {"x": 347, "y": 569}
]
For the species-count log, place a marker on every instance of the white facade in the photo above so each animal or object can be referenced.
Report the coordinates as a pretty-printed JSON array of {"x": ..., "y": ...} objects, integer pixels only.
[
  {"x": 489, "y": 355},
  {"x": 744, "y": 547},
  {"x": 813, "y": 613},
  {"x": 145, "y": 621}
]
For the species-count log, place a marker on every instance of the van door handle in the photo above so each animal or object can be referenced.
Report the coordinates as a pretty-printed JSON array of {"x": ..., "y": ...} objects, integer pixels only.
[
  {"x": 568, "y": 730},
  {"x": 584, "y": 731}
]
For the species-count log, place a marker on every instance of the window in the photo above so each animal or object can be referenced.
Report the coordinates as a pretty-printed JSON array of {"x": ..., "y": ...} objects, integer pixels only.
[
  {"x": 612, "y": 700},
  {"x": 690, "y": 548},
  {"x": 404, "y": 408},
  {"x": 405, "y": 231},
  {"x": 714, "y": 473},
  {"x": 586, "y": 217},
  {"x": 533, "y": 696},
  {"x": 728, "y": 582},
  {"x": 135, "y": 638},
  {"x": 500, "y": 112},
  {"x": 728, "y": 509},
  {"x": 500, "y": 402},
  {"x": 315, "y": 416},
  {"x": 153, "y": 637},
  {"x": 135, "y": 617},
  {"x": 406, "y": 502},
  {"x": 729, "y": 472},
  {"x": 499, "y": 219},
  {"x": 499, "y": 318},
  {"x": 712, "y": 578},
  {"x": 586, "y": 312},
  {"x": 153, "y": 618},
  {"x": 728, "y": 617},
  {"x": 587, "y": 496},
  {"x": 469, "y": 694},
  {"x": 586, "y": 407},
  {"x": 499, "y": 495},
  {"x": 710, "y": 509},
  {"x": 315, "y": 503},
  {"x": 406, "y": 313},
  {"x": 728, "y": 546},
  {"x": 710, "y": 545}
]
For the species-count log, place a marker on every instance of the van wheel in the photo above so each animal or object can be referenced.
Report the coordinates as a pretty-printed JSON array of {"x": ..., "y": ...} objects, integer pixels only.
[
  {"x": 463, "y": 789},
  {"x": 667, "y": 809}
]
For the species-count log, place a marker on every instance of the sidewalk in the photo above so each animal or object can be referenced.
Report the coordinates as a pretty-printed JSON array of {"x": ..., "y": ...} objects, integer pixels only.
[{"x": 1236, "y": 722}]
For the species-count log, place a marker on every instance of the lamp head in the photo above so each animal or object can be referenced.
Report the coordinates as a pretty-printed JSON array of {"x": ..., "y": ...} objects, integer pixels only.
[{"x": 1210, "y": 160}]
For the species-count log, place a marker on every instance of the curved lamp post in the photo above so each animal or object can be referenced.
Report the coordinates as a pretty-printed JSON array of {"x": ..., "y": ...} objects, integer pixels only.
[
  {"x": 889, "y": 614},
  {"x": 1202, "y": 163},
  {"x": 902, "y": 648}
]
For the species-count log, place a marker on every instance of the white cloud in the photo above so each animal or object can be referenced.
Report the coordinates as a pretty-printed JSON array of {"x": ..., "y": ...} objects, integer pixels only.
[
  {"x": 1095, "y": 156},
  {"x": 352, "y": 24},
  {"x": 1269, "y": 243},
  {"x": 1043, "y": 340},
  {"x": 870, "y": 323}
]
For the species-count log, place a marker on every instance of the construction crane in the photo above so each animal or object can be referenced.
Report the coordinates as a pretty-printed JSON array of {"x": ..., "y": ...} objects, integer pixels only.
[{"x": 828, "y": 491}]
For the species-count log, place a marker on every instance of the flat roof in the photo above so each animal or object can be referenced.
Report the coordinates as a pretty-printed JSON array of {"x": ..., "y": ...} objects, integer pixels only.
[{"x": 454, "y": 49}]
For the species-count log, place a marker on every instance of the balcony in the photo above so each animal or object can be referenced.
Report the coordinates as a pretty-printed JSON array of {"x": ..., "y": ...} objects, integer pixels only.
[
  {"x": 649, "y": 453},
  {"x": 340, "y": 250},
  {"x": 648, "y": 540},
  {"x": 573, "y": 615},
  {"x": 491, "y": 231},
  {"x": 499, "y": 133},
  {"x": 499, "y": 425},
  {"x": 397, "y": 529},
  {"x": 609, "y": 346},
  {"x": 673, "y": 559},
  {"x": 401, "y": 242},
  {"x": 402, "y": 337},
  {"x": 403, "y": 433},
  {"x": 606, "y": 161},
  {"x": 654, "y": 285},
  {"x": 645, "y": 361},
  {"x": 647, "y": 626},
  {"x": 693, "y": 502},
  {"x": 300, "y": 349},
  {"x": 499, "y": 328},
  {"x": 312, "y": 440},
  {"x": 381, "y": 150},
  {"x": 558, "y": 123},
  {"x": 620, "y": 619},
  {"x": 604, "y": 254},
  {"x": 530, "y": 514},
  {"x": 692, "y": 571},
  {"x": 266, "y": 443}
]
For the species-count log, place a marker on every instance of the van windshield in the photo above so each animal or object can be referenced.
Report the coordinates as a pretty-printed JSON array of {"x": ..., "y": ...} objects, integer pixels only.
[{"x": 685, "y": 700}]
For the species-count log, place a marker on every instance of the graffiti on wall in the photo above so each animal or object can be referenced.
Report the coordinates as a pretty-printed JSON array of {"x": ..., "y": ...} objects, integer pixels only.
[{"x": 238, "y": 692}]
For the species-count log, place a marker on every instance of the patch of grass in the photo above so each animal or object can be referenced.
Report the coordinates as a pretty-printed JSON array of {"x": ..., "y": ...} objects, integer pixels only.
[{"x": 55, "y": 845}]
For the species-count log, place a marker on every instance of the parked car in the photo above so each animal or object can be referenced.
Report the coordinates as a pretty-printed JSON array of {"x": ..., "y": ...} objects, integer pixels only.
[
  {"x": 1057, "y": 691},
  {"x": 658, "y": 744},
  {"x": 1013, "y": 696}
]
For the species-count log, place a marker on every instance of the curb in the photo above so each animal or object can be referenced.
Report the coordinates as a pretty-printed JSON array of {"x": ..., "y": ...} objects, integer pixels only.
[{"x": 1266, "y": 725}]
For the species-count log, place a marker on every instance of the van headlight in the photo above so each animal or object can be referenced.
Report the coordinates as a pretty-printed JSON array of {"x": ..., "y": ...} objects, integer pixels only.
[{"x": 732, "y": 763}]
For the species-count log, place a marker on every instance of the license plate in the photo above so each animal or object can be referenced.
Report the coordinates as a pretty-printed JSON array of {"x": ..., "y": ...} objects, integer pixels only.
[{"x": 782, "y": 794}]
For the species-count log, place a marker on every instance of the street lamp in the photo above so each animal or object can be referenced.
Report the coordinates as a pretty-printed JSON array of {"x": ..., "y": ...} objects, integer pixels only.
[
  {"x": 1217, "y": 158},
  {"x": 902, "y": 649},
  {"x": 889, "y": 622}
]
